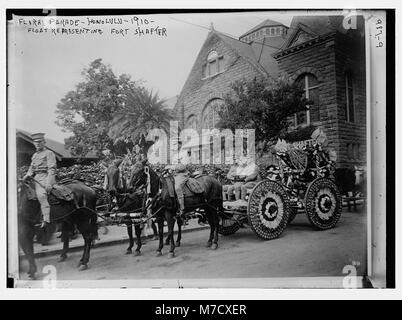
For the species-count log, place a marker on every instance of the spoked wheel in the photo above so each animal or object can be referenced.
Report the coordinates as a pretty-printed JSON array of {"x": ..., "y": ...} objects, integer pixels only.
[
  {"x": 323, "y": 203},
  {"x": 268, "y": 209},
  {"x": 227, "y": 225}
]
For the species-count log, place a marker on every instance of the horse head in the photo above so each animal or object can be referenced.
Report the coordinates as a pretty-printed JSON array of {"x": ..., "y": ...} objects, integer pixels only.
[
  {"x": 142, "y": 175},
  {"x": 138, "y": 175},
  {"x": 138, "y": 187},
  {"x": 115, "y": 183}
]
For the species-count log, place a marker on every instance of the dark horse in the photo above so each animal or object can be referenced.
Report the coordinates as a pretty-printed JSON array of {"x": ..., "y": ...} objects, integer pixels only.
[
  {"x": 164, "y": 204},
  {"x": 135, "y": 198},
  {"x": 79, "y": 213}
]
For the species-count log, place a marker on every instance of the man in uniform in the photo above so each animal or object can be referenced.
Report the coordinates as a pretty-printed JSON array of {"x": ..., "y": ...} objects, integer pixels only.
[{"x": 43, "y": 169}]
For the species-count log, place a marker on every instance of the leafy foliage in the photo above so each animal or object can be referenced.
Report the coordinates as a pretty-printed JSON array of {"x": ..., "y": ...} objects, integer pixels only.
[
  {"x": 141, "y": 112},
  {"x": 107, "y": 111},
  {"x": 264, "y": 105}
]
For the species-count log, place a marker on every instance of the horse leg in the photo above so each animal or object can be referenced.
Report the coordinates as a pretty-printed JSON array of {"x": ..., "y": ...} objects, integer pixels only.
[
  {"x": 91, "y": 232},
  {"x": 26, "y": 243},
  {"x": 31, "y": 259},
  {"x": 83, "y": 264},
  {"x": 155, "y": 230},
  {"x": 86, "y": 234},
  {"x": 65, "y": 238},
  {"x": 214, "y": 229},
  {"x": 211, "y": 230},
  {"x": 169, "y": 215},
  {"x": 130, "y": 237},
  {"x": 160, "y": 229},
  {"x": 139, "y": 243},
  {"x": 167, "y": 241},
  {"x": 179, "y": 224}
]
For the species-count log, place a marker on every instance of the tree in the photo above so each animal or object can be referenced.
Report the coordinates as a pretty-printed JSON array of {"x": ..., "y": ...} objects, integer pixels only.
[
  {"x": 262, "y": 104},
  {"x": 106, "y": 111},
  {"x": 141, "y": 112},
  {"x": 87, "y": 110}
]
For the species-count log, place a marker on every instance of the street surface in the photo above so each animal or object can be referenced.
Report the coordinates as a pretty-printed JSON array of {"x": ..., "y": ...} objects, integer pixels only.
[{"x": 301, "y": 251}]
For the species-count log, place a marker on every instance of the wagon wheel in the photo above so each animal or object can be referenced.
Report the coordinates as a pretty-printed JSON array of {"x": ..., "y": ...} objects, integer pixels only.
[
  {"x": 323, "y": 203},
  {"x": 227, "y": 225},
  {"x": 268, "y": 209},
  {"x": 292, "y": 214}
]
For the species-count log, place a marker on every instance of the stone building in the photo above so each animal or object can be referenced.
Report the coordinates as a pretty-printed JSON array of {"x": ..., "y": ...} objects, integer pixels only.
[
  {"x": 329, "y": 62},
  {"x": 316, "y": 51}
]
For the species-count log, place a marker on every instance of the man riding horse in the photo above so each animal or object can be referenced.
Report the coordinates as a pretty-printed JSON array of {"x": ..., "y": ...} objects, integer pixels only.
[
  {"x": 41, "y": 201},
  {"x": 43, "y": 169}
]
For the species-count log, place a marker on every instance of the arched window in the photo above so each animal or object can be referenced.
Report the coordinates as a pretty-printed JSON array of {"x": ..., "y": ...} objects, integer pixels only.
[
  {"x": 310, "y": 85},
  {"x": 210, "y": 116},
  {"x": 214, "y": 64},
  {"x": 191, "y": 122},
  {"x": 350, "y": 104}
]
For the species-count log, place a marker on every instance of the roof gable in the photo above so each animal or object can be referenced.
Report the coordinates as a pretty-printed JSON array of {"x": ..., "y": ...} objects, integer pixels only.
[
  {"x": 240, "y": 47},
  {"x": 299, "y": 34},
  {"x": 58, "y": 148},
  {"x": 235, "y": 46}
]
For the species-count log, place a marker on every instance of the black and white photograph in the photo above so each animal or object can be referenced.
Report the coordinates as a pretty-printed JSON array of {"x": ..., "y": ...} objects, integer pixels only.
[{"x": 205, "y": 149}]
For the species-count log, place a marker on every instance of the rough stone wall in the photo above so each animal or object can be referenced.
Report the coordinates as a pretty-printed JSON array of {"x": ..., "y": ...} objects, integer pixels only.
[
  {"x": 327, "y": 61},
  {"x": 198, "y": 91},
  {"x": 350, "y": 57}
]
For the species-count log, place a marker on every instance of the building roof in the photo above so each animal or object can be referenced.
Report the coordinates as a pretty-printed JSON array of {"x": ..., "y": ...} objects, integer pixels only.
[
  {"x": 171, "y": 102},
  {"x": 57, "y": 147},
  {"x": 244, "y": 49},
  {"x": 241, "y": 47},
  {"x": 306, "y": 30},
  {"x": 318, "y": 25},
  {"x": 264, "y": 49},
  {"x": 265, "y": 23}
]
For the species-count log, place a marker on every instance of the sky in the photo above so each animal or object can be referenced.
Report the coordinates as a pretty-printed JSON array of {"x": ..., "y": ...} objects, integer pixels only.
[{"x": 44, "y": 67}]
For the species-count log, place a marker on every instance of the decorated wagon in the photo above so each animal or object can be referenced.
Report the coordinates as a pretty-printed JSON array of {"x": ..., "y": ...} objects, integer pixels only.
[{"x": 303, "y": 181}]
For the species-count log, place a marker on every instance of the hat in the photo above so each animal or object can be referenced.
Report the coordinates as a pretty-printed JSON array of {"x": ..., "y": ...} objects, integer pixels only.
[
  {"x": 180, "y": 167},
  {"x": 38, "y": 136},
  {"x": 198, "y": 172}
]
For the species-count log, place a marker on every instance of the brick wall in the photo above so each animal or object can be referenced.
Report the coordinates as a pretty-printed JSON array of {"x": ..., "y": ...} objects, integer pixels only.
[
  {"x": 350, "y": 57},
  {"x": 327, "y": 60},
  {"x": 197, "y": 92}
]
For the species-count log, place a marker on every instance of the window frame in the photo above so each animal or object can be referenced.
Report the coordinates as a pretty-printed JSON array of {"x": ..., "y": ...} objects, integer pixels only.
[
  {"x": 206, "y": 68},
  {"x": 211, "y": 103},
  {"x": 191, "y": 119},
  {"x": 307, "y": 90},
  {"x": 349, "y": 78}
]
